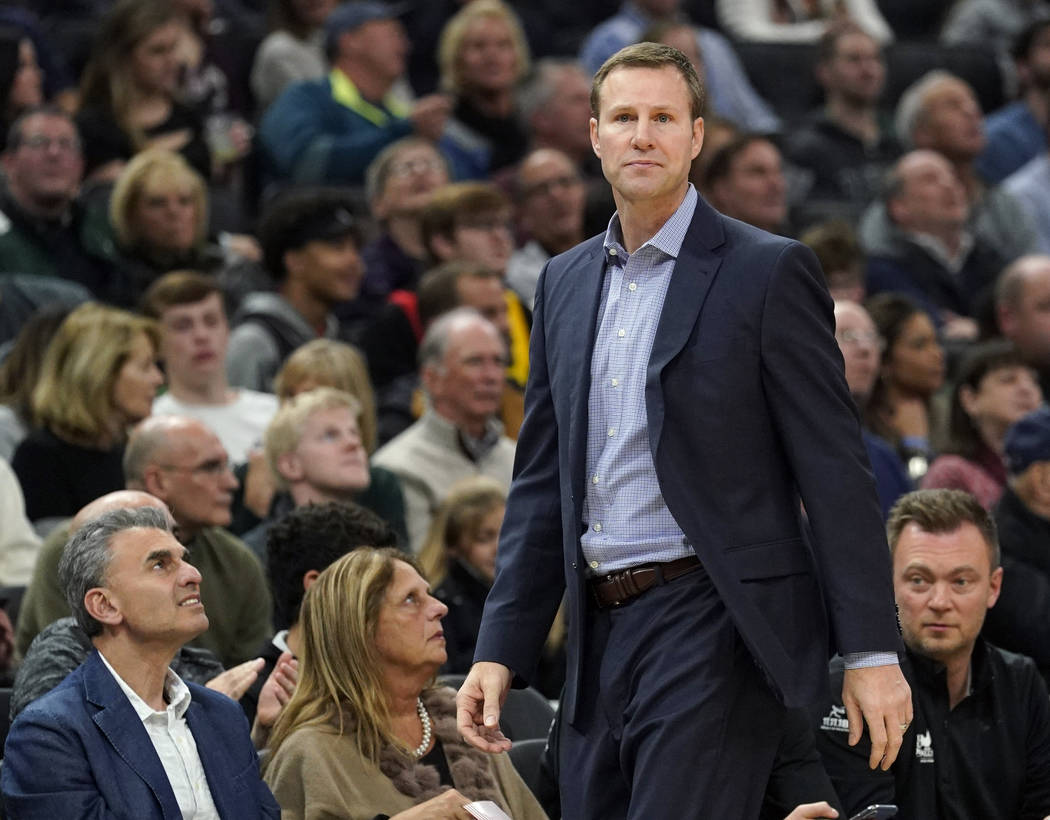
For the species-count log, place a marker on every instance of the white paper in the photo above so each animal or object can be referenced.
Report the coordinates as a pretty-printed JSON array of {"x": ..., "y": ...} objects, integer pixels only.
[{"x": 486, "y": 810}]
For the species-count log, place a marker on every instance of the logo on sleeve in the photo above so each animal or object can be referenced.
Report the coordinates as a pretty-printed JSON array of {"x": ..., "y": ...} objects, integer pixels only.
[
  {"x": 835, "y": 720},
  {"x": 924, "y": 747}
]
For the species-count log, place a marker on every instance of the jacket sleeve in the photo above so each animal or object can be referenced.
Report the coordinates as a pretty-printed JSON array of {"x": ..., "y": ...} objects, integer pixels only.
[
  {"x": 46, "y": 773},
  {"x": 817, "y": 423},
  {"x": 530, "y": 575},
  {"x": 294, "y": 135}
]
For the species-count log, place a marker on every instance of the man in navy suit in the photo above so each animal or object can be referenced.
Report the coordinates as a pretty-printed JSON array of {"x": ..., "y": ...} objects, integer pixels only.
[
  {"x": 685, "y": 395},
  {"x": 123, "y": 736}
]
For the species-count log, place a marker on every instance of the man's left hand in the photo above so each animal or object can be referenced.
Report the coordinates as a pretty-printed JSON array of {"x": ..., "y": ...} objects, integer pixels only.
[{"x": 880, "y": 696}]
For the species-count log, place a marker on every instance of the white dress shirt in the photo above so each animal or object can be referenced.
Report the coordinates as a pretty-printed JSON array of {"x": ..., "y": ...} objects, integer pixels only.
[{"x": 175, "y": 745}]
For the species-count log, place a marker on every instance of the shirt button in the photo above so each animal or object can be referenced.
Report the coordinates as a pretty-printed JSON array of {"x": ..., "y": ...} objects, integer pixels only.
[
  {"x": 632, "y": 286},
  {"x": 597, "y": 526},
  {"x": 621, "y": 332},
  {"x": 594, "y": 565},
  {"x": 612, "y": 431},
  {"x": 594, "y": 479},
  {"x": 615, "y": 382},
  {"x": 612, "y": 252}
]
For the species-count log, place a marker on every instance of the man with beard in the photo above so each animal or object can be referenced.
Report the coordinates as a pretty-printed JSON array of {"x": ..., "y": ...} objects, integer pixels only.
[{"x": 846, "y": 146}]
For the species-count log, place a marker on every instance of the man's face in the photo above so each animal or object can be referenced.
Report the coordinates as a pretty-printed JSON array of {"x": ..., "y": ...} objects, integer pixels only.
[
  {"x": 416, "y": 171},
  {"x": 467, "y": 387},
  {"x": 552, "y": 199},
  {"x": 152, "y": 588},
  {"x": 193, "y": 339},
  {"x": 754, "y": 190},
  {"x": 645, "y": 134},
  {"x": 47, "y": 164},
  {"x": 567, "y": 113},
  {"x": 329, "y": 456},
  {"x": 1028, "y": 326},
  {"x": 486, "y": 295},
  {"x": 952, "y": 122},
  {"x": 484, "y": 239},
  {"x": 944, "y": 584},
  {"x": 330, "y": 269},
  {"x": 380, "y": 46},
  {"x": 931, "y": 199},
  {"x": 194, "y": 478},
  {"x": 860, "y": 345},
  {"x": 856, "y": 71}
]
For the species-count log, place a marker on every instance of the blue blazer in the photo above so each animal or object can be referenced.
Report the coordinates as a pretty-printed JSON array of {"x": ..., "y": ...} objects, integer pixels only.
[
  {"x": 80, "y": 751},
  {"x": 749, "y": 414}
]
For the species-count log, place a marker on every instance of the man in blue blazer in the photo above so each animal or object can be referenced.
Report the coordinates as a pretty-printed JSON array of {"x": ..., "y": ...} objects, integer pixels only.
[
  {"x": 685, "y": 399},
  {"x": 123, "y": 736}
]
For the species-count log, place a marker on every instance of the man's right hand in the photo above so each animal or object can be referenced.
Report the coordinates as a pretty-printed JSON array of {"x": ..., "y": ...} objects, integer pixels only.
[
  {"x": 478, "y": 703},
  {"x": 429, "y": 114}
]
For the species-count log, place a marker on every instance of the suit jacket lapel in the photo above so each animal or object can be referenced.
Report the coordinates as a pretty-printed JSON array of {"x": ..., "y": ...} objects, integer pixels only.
[
  {"x": 212, "y": 751},
  {"x": 125, "y": 732},
  {"x": 579, "y": 335},
  {"x": 691, "y": 279}
]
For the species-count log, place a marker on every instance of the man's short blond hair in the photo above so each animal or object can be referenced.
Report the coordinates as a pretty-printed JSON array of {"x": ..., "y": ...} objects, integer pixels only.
[{"x": 286, "y": 428}]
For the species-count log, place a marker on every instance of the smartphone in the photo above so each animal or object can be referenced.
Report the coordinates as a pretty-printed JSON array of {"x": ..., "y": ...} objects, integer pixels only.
[{"x": 879, "y": 811}]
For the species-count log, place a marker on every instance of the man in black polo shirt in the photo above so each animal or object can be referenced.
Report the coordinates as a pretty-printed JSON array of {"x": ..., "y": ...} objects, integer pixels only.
[{"x": 979, "y": 743}]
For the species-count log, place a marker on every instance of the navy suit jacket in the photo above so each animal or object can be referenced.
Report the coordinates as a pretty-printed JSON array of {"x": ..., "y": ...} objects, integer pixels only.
[
  {"x": 80, "y": 751},
  {"x": 748, "y": 412}
]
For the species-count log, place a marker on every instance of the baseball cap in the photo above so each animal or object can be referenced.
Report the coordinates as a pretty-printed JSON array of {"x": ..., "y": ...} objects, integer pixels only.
[
  {"x": 351, "y": 15},
  {"x": 1028, "y": 441}
]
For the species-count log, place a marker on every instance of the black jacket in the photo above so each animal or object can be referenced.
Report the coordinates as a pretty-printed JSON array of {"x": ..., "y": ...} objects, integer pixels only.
[{"x": 989, "y": 757}]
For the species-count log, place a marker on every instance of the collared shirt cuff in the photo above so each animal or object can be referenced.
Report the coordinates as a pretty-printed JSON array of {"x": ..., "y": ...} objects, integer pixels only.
[{"x": 861, "y": 660}]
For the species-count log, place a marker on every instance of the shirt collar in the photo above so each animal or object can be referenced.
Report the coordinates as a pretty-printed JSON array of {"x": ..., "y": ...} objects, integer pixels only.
[
  {"x": 176, "y": 692},
  {"x": 667, "y": 240}
]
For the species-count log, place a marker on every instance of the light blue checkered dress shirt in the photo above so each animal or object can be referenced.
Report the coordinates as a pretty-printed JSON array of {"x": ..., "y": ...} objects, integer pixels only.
[{"x": 627, "y": 521}]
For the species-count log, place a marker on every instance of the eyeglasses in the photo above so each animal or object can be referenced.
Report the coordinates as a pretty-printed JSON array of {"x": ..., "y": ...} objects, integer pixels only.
[
  {"x": 405, "y": 167},
  {"x": 856, "y": 338},
  {"x": 42, "y": 142},
  {"x": 212, "y": 469},
  {"x": 547, "y": 187}
]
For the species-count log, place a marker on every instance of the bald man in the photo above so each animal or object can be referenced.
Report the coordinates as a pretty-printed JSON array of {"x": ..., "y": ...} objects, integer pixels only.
[{"x": 178, "y": 462}]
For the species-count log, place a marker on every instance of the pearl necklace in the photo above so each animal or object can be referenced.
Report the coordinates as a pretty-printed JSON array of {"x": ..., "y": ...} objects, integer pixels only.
[{"x": 424, "y": 719}]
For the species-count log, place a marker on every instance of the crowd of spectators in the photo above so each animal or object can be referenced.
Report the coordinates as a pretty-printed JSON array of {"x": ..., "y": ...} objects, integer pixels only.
[{"x": 270, "y": 265}]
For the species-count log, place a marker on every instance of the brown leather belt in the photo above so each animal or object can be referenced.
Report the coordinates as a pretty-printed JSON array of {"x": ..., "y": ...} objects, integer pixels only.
[{"x": 618, "y": 588}]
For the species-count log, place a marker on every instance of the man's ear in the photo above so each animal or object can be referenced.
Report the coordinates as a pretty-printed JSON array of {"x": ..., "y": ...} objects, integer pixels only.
[
  {"x": 155, "y": 481},
  {"x": 594, "y": 138},
  {"x": 101, "y": 606},
  {"x": 995, "y": 586},
  {"x": 290, "y": 466},
  {"x": 293, "y": 263}
]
